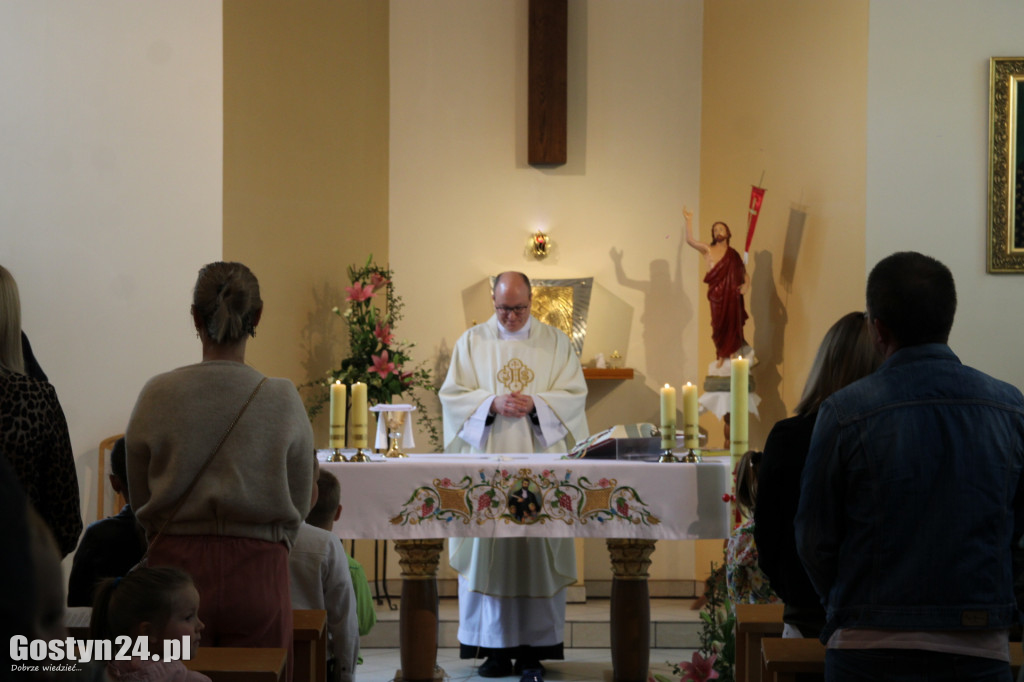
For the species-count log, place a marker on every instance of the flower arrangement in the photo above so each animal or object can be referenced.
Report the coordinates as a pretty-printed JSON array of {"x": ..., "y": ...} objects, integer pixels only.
[
  {"x": 716, "y": 658},
  {"x": 376, "y": 357}
]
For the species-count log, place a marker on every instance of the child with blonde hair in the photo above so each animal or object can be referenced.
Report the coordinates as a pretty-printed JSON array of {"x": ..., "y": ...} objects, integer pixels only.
[{"x": 157, "y": 604}]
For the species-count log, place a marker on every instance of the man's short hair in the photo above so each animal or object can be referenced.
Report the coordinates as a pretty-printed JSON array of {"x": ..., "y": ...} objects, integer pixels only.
[
  {"x": 328, "y": 496},
  {"x": 522, "y": 276},
  {"x": 117, "y": 460},
  {"x": 914, "y": 296}
]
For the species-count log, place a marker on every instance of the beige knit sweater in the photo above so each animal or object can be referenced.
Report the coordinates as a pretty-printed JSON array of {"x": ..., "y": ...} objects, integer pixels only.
[{"x": 260, "y": 482}]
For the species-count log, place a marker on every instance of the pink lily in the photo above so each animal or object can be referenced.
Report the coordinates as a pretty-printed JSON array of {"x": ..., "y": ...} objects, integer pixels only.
[
  {"x": 359, "y": 292},
  {"x": 700, "y": 670},
  {"x": 377, "y": 281},
  {"x": 381, "y": 365},
  {"x": 383, "y": 334}
]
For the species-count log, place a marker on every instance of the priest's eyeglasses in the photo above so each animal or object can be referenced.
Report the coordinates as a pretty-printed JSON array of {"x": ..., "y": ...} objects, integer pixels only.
[{"x": 513, "y": 309}]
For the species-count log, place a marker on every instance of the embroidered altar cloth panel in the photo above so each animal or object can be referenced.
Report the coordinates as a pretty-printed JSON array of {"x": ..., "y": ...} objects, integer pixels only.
[{"x": 531, "y": 495}]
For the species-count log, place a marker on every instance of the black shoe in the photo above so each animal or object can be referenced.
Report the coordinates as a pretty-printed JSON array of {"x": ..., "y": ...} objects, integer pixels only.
[
  {"x": 532, "y": 675},
  {"x": 495, "y": 667},
  {"x": 525, "y": 664}
]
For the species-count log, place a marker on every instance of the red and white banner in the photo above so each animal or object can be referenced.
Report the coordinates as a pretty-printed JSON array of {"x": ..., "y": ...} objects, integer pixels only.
[{"x": 756, "y": 197}]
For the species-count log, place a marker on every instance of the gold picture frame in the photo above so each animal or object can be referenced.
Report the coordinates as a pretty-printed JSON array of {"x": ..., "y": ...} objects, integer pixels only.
[{"x": 1006, "y": 166}]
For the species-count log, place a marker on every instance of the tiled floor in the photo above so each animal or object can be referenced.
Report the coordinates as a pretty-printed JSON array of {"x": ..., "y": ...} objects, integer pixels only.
[{"x": 674, "y": 627}]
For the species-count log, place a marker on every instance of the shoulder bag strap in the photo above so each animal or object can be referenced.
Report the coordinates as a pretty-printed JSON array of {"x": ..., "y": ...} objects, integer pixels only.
[{"x": 206, "y": 464}]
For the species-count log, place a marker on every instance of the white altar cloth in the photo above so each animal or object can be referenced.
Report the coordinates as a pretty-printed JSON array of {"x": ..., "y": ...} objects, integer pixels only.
[{"x": 441, "y": 495}]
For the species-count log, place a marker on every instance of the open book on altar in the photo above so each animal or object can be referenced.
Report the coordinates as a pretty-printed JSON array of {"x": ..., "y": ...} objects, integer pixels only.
[{"x": 623, "y": 441}]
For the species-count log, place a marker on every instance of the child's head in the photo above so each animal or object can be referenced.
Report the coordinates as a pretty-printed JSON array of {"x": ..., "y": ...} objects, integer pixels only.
[
  {"x": 158, "y": 603},
  {"x": 325, "y": 512},
  {"x": 746, "y": 481}
]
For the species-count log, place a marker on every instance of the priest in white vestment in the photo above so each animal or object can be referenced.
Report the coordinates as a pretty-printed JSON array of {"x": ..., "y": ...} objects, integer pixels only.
[{"x": 514, "y": 385}]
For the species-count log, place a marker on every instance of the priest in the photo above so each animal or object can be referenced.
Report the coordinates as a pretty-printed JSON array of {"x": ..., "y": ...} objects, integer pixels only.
[{"x": 514, "y": 385}]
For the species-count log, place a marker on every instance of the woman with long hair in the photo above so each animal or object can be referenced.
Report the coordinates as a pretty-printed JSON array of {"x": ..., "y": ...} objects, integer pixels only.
[
  {"x": 33, "y": 430},
  {"x": 846, "y": 354}
]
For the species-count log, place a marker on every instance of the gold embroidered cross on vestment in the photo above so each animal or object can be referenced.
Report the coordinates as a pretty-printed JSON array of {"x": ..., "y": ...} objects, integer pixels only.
[{"x": 515, "y": 376}]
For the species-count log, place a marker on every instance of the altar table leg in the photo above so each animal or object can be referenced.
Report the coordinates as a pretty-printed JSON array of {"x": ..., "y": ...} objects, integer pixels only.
[
  {"x": 417, "y": 625},
  {"x": 630, "y": 609}
]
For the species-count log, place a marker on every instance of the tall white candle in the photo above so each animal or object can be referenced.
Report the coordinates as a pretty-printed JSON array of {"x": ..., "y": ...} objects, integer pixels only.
[
  {"x": 359, "y": 415},
  {"x": 690, "y": 427},
  {"x": 739, "y": 394},
  {"x": 338, "y": 395},
  {"x": 668, "y": 417}
]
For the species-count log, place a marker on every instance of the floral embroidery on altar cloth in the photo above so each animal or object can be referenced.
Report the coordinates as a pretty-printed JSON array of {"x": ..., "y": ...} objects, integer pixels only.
[{"x": 525, "y": 498}]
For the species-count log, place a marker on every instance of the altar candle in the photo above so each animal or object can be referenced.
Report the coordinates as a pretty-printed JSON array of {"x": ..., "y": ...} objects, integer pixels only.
[
  {"x": 359, "y": 415},
  {"x": 668, "y": 417},
  {"x": 739, "y": 382},
  {"x": 338, "y": 393},
  {"x": 690, "y": 428}
]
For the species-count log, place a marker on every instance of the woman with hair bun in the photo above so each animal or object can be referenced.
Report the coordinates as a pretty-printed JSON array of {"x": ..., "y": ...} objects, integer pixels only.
[{"x": 220, "y": 469}]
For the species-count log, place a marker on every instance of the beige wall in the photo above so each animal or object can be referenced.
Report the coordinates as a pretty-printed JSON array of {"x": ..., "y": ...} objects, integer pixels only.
[
  {"x": 110, "y": 182},
  {"x": 305, "y": 166},
  {"x": 928, "y": 118}
]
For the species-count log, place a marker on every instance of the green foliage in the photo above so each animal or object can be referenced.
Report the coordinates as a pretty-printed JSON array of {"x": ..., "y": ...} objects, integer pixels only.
[
  {"x": 716, "y": 657},
  {"x": 377, "y": 358},
  {"x": 718, "y": 620}
]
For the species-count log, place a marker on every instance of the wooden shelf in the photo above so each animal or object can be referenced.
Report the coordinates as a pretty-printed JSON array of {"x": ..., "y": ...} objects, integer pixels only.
[{"x": 617, "y": 374}]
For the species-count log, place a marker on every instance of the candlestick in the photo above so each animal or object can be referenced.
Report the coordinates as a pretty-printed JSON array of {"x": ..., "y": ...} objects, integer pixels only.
[
  {"x": 739, "y": 382},
  {"x": 359, "y": 415},
  {"x": 337, "y": 435},
  {"x": 668, "y": 417},
  {"x": 691, "y": 430}
]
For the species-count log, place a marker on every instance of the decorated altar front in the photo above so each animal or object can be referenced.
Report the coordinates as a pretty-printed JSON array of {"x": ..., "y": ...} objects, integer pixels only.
[{"x": 420, "y": 500}]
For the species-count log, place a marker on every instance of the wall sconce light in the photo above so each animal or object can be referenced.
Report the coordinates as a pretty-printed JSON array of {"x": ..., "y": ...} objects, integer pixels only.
[{"x": 539, "y": 245}]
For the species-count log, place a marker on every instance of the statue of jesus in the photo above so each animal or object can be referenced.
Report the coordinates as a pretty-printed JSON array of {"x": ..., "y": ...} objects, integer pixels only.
[{"x": 727, "y": 282}]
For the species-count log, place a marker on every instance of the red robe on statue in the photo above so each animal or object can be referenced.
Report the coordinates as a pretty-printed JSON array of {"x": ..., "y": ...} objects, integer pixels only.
[{"x": 727, "y": 313}]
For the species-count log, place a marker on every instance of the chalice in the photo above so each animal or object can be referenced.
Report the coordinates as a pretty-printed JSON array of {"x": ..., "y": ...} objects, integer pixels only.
[{"x": 395, "y": 421}]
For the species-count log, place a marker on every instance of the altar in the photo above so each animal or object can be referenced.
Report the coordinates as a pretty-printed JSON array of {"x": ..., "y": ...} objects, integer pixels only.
[{"x": 422, "y": 499}]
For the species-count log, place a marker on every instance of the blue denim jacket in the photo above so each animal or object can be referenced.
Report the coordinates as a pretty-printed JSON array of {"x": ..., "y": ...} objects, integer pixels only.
[{"x": 911, "y": 499}]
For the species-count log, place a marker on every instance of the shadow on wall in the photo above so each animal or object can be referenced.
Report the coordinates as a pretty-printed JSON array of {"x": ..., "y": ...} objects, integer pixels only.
[
  {"x": 324, "y": 341},
  {"x": 767, "y": 309},
  {"x": 324, "y": 336},
  {"x": 666, "y": 312}
]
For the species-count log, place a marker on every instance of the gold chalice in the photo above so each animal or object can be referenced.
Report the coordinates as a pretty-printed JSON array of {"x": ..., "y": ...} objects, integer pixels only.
[{"x": 395, "y": 421}]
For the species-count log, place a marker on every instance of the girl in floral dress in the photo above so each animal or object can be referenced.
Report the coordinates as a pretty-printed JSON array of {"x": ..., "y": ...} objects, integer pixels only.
[{"x": 746, "y": 582}]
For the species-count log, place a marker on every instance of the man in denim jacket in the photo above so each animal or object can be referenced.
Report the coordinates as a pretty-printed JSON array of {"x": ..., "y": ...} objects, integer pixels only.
[{"x": 912, "y": 499}]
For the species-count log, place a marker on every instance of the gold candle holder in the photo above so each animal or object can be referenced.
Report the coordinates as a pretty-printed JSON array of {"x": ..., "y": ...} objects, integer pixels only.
[
  {"x": 668, "y": 456},
  {"x": 360, "y": 456},
  {"x": 692, "y": 456},
  {"x": 337, "y": 456}
]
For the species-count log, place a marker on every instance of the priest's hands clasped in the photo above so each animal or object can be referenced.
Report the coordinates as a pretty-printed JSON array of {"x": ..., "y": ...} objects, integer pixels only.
[{"x": 512, "y": 405}]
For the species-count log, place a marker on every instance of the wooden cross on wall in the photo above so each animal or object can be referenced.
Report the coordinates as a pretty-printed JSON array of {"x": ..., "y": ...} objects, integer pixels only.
[{"x": 547, "y": 82}]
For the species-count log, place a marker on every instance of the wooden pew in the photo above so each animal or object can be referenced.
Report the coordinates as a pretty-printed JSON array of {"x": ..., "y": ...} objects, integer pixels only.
[
  {"x": 784, "y": 659},
  {"x": 240, "y": 664},
  {"x": 754, "y": 622},
  {"x": 310, "y": 645}
]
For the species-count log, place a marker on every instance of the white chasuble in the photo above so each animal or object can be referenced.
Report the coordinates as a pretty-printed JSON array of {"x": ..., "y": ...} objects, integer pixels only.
[{"x": 487, "y": 362}]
